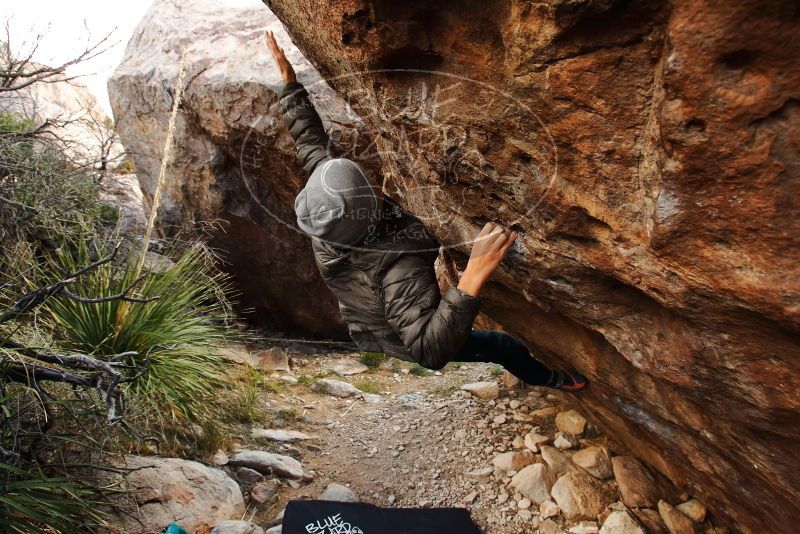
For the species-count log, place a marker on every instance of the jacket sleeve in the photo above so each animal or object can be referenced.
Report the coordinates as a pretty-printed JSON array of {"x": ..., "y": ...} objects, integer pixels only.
[
  {"x": 432, "y": 328},
  {"x": 313, "y": 144}
]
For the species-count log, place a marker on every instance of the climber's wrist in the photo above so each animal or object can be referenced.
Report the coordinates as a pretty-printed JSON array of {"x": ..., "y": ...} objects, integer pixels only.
[
  {"x": 288, "y": 76},
  {"x": 287, "y": 71},
  {"x": 471, "y": 282}
]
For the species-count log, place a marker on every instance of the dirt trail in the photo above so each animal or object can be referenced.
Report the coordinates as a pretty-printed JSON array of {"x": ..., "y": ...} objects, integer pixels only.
[{"x": 423, "y": 444}]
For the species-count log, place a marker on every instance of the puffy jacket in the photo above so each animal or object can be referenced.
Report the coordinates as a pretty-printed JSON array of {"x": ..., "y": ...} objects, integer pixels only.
[{"x": 387, "y": 289}]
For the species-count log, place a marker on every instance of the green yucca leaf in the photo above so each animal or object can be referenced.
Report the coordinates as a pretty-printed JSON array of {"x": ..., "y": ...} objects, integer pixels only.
[
  {"x": 32, "y": 502},
  {"x": 177, "y": 336}
]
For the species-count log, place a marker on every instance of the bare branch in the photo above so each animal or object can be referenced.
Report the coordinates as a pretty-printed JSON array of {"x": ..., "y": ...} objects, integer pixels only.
[
  {"x": 35, "y": 298},
  {"x": 19, "y": 72}
]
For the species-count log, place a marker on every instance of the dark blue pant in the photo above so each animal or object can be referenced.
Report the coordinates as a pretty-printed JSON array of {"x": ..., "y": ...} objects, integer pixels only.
[{"x": 502, "y": 349}]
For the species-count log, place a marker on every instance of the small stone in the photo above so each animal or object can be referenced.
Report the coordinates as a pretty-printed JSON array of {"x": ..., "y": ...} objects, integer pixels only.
[
  {"x": 248, "y": 476},
  {"x": 621, "y": 522},
  {"x": 336, "y": 388},
  {"x": 565, "y": 440},
  {"x": 650, "y": 520},
  {"x": 534, "y": 482},
  {"x": 676, "y": 522},
  {"x": 371, "y": 398},
  {"x": 483, "y": 390},
  {"x": 581, "y": 496},
  {"x": 391, "y": 499},
  {"x": 289, "y": 379},
  {"x": 572, "y": 422},
  {"x": 559, "y": 462},
  {"x": 237, "y": 527},
  {"x": 584, "y": 527},
  {"x": 274, "y": 434},
  {"x": 524, "y": 503},
  {"x": 263, "y": 492},
  {"x": 346, "y": 367},
  {"x": 272, "y": 359},
  {"x": 471, "y": 496},
  {"x": 548, "y": 509},
  {"x": 533, "y": 441},
  {"x": 594, "y": 460},
  {"x": 482, "y": 472},
  {"x": 267, "y": 462},
  {"x": 514, "y": 404},
  {"x": 235, "y": 353},
  {"x": 514, "y": 460},
  {"x": 694, "y": 510},
  {"x": 636, "y": 485},
  {"x": 549, "y": 527},
  {"x": 219, "y": 458},
  {"x": 518, "y": 442},
  {"x": 511, "y": 382},
  {"x": 499, "y": 419},
  {"x": 502, "y": 498},
  {"x": 525, "y": 515},
  {"x": 339, "y": 493},
  {"x": 544, "y": 413}
]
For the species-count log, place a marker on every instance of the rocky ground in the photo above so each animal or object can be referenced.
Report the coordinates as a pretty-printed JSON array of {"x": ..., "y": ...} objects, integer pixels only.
[{"x": 522, "y": 461}]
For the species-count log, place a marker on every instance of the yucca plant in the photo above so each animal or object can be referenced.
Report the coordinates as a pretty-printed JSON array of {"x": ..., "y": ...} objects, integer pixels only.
[
  {"x": 33, "y": 502},
  {"x": 176, "y": 336}
]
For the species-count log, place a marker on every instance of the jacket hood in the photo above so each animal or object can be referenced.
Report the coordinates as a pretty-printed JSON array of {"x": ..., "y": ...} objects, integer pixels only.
[{"x": 338, "y": 204}]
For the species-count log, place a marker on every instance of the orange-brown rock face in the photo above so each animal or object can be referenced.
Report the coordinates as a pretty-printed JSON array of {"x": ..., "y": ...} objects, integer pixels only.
[{"x": 648, "y": 153}]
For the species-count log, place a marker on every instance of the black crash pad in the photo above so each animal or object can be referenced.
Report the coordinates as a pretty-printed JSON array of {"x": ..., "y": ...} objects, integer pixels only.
[{"x": 331, "y": 517}]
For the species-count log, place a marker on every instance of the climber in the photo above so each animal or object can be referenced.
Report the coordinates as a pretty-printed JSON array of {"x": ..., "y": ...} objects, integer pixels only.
[{"x": 377, "y": 259}]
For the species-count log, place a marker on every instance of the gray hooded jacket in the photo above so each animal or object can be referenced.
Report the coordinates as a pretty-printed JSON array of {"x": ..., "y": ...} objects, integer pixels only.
[{"x": 383, "y": 278}]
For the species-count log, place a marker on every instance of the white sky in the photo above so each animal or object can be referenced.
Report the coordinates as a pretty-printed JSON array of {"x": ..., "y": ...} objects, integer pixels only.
[{"x": 68, "y": 25}]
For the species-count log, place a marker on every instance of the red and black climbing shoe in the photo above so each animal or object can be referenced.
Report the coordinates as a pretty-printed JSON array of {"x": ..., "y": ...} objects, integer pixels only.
[{"x": 568, "y": 380}]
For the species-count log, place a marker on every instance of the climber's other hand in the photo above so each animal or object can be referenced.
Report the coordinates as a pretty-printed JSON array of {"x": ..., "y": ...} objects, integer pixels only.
[
  {"x": 488, "y": 250},
  {"x": 285, "y": 68}
]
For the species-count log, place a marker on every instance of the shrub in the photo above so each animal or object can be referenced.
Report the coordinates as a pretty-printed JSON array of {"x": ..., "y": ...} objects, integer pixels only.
[
  {"x": 32, "y": 503},
  {"x": 368, "y": 386},
  {"x": 44, "y": 200},
  {"x": 176, "y": 337},
  {"x": 372, "y": 360},
  {"x": 418, "y": 370}
]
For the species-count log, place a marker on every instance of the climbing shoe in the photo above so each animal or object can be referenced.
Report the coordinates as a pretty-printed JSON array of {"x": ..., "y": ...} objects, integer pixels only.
[{"x": 567, "y": 380}]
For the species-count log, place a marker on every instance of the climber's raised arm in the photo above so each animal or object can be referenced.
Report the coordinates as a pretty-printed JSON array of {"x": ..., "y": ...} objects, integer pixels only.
[
  {"x": 302, "y": 120},
  {"x": 286, "y": 69}
]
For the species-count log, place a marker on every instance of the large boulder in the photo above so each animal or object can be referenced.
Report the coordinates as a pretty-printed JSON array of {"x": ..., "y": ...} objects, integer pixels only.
[
  {"x": 233, "y": 173},
  {"x": 647, "y": 154},
  {"x": 172, "y": 490}
]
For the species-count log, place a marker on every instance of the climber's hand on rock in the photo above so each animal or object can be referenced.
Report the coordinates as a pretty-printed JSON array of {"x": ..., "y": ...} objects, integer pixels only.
[
  {"x": 488, "y": 250},
  {"x": 287, "y": 72}
]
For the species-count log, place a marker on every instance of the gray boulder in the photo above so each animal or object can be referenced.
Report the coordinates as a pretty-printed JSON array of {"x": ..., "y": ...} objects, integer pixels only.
[{"x": 167, "y": 490}]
